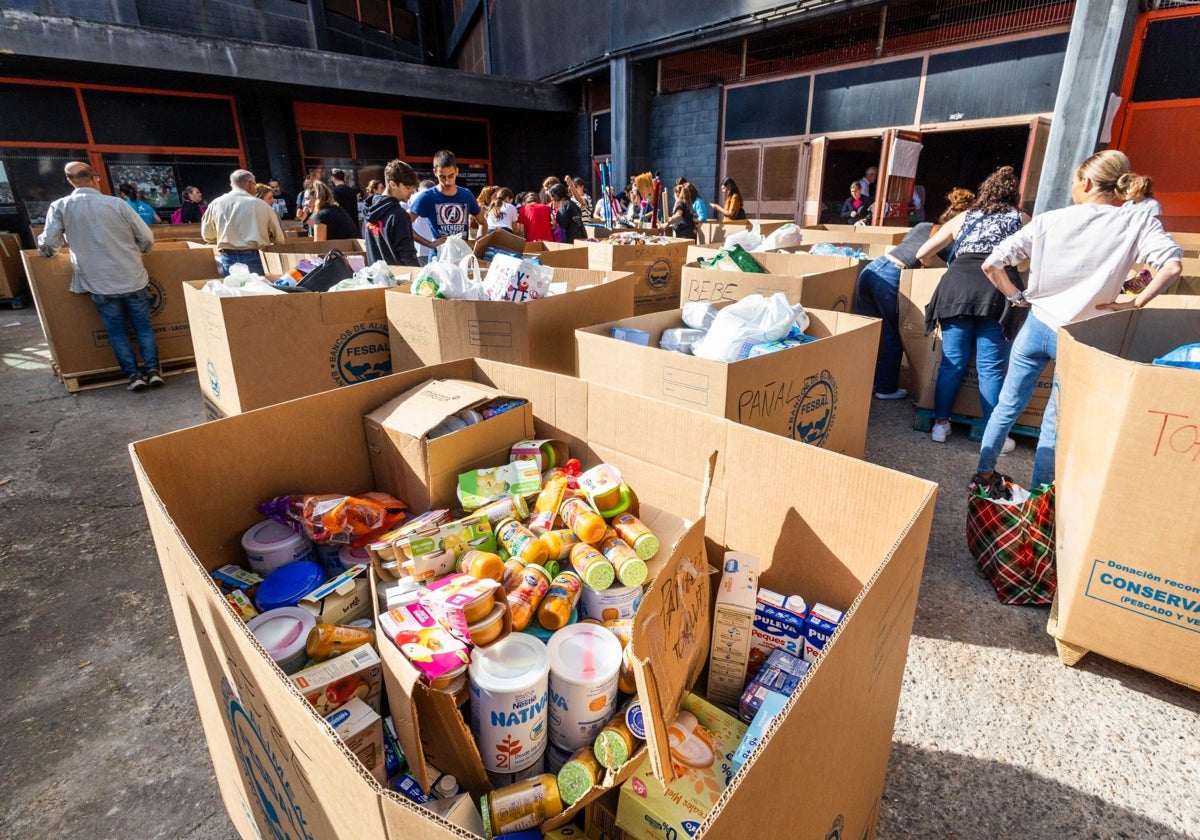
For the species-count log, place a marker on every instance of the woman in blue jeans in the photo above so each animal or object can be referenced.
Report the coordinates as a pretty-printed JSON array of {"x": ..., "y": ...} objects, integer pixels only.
[
  {"x": 965, "y": 304},
  {"x": 1080, "y": 257}
]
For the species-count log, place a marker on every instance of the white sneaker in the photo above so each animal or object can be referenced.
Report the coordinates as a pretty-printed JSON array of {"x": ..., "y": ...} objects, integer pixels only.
[
  {"x": 898, "y": 394},
  {"x": 941, "y": 431},
  {"x": 1009, "y": 446}
]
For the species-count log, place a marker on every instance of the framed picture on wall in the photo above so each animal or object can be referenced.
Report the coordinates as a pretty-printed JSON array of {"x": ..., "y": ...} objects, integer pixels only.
[{"x": 155, "y": 183}]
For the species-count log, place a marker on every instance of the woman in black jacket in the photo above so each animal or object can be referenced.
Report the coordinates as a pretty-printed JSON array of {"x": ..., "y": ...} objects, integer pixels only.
[{"x": 566, "y": 213}]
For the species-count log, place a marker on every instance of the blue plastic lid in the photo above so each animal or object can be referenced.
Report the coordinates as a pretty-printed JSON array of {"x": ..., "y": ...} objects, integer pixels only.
[{"x": 285, "y": 586}]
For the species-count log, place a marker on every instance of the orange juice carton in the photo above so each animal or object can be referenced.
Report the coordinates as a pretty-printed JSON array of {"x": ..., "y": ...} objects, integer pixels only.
[
  {"x": 467, "y": 605},
  {"x": 361, "y": 730},
  {"x": 330, "y": 684},
  {"x": 818, "y": 627},
  {"x": 703, "y": 740},
  {"x": 733, "y": 620},
  {"x": 778, "y": 623}
]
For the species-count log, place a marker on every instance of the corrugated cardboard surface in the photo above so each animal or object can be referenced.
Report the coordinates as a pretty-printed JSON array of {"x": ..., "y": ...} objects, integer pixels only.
[
  {"x": 657, "y": 269},
  {"x": 854, "y": 234},
  {"x": 535, "y": 333},
  {"x": 12, "y": 271},
  {"x": 1126, "y": 462},
  {"x": 265, "y": 349},
  {"x": 812, "y": 281},
  {"x": 714, "y": 232},
  {"x": 818, "y": 393},
  {"x": 924, "y": 354},
  {"x": 277, "y": 259},
  {"x": 283, "y": 773},
  {"x": 78, "y": 341}
]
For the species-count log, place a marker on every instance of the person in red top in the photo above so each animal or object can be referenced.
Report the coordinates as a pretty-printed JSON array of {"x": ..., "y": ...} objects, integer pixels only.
[{"x": 535, "y": 218}]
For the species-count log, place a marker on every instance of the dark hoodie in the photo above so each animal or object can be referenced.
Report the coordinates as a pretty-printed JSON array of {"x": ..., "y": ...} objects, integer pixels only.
[{"x": 388, "y": 232}]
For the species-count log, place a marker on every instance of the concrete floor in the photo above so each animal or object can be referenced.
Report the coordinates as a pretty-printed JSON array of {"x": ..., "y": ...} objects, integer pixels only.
[{"x": 994, "y": 738}]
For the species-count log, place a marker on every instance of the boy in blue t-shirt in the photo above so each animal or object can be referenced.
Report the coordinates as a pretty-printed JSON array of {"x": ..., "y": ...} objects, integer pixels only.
[{"x": 450, "y": 207}]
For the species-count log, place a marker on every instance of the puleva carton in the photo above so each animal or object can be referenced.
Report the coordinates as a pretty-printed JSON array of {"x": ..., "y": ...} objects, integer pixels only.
[
  {"x": 818, "y": 393},
  {"x": 1126, "y": 462},
  {"x": 817, "y": 282},
  {"x": 534, "y": 333},
  {"x": 78, "y": 341},
  {"x": 265, "y": 349},
  {"x": 283, "y": 773}
]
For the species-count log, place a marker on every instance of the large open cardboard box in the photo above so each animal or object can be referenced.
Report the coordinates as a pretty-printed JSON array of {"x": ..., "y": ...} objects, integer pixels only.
[
  {"x": 818, "y": 393},
  {"x": 924, "y": 354},
  {"x": 161, "y": 232},
  {"x": 1126, "y": 489},
  {"x": 78, "y": 342},
  {"x": 12, "y": 271},
  {"x": 716, "y": 231},
  {"x": 812, "y": 281},
  {"x": 657, "y": 269},
  {"x": 855, "y": 235},
  {"x": 535, "y": 333},
  {"x": 265, "y": 349},
  {"x": 279, "y": 259},
  {"x": 1189, "y": 242},
  {"x": 283, "y": 772}
]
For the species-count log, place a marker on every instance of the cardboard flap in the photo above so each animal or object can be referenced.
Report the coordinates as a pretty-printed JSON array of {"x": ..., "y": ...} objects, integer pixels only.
[
  {"x": 671, "y": 635},
  {"x": 400, "y": 681},
  {"x": 447, "y": 742},
  {"x": 501, "y": 240},
  {"x": 417, "y": 411}
]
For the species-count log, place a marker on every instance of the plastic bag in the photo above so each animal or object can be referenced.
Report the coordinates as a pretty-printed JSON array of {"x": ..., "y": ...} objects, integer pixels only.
[
  {"x": 752, "y": 320},
  {"x": 337, "y": 520},
  {"x": 454, "y": 250},
  {"x": 446, "y": 280},
  {"x": 788, "y": 236},
  {"x": 748, "y": 239},
  {"x": 681, "y": 340},
  {"x": 828, "y": 249},
  {"x": 699, "y": 315},
  {"x": 241, "y": 284},
  {"x": 512, "y": 279},
  {"x": 1187, "y": 356}
]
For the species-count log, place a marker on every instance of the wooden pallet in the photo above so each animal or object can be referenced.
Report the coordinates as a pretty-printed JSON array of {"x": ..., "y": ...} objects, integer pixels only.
[
  {"x": 106, "y": 379},
  {"x": 923, "y": 422}
]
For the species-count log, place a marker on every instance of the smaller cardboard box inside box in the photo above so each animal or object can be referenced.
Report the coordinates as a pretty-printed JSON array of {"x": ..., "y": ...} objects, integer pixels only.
[{"x": 817, "y": 282}]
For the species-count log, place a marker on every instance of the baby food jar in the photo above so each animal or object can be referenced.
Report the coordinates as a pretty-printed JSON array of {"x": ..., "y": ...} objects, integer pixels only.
[
  {"x": 578, "y": 515},
  {"x": 631, "y": 569},
  {"x": 524, "y": 805},
  {"x": 578, "y": 775},
  {"x": 559, "y": 543},
  {"x": 634, "y": 531},
  {"x": 524, "y": 600},
  {"x": 592, "y": 567},
  {"x": 514, "y": 568},
  {"x": 326, "y": 640},
  {"x": 615, "y": 744},
  {"x": 482, "y": 565},
  {"x": 560, "y": 600},
  {"x": 520, "y": 541},
  {"x": 501, "y": 509}
]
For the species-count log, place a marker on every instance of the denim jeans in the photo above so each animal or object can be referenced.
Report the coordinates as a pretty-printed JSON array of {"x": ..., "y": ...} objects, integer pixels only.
[
  {"x": 960, "y": 336},
  {"x": 251, "y": 261},
  {"x": 135, "y": 306},
  {"x": 1035, "y": 347},
  {"x": 877, "y": 295}
]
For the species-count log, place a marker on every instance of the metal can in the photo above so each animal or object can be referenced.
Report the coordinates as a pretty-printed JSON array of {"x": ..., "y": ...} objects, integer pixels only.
[{"x": 523, "y": 805}]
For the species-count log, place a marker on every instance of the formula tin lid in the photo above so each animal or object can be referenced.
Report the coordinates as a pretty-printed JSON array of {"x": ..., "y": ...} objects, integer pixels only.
[
  {"x": 268, "y": 535},
  {"x": 514, "y": 663},
  {"x": 285, "y": 586},
  {"x": 584, "y": 653},
  {"x": 283, "y": 631}
]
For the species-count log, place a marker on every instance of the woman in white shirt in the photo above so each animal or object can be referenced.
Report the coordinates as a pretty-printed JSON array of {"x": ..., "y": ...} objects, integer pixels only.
[
  {"x": 1140, "y": 196},
  {"x": 1079, "y": 258},
  {"x": 501, "y": 212}
]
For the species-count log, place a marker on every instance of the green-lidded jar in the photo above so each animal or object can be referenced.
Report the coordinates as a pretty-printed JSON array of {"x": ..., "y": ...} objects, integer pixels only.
[
  {"x": 593, "y": 567},
  {"x": 579, "y": 775},
  {"x": 634, "y": 531},
  {"x": 614, "y": 745},
  {"x": 630, "y": 568}
]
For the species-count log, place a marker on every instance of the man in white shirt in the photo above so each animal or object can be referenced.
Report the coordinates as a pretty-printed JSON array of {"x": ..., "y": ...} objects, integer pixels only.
[
  {"x": 240, "y": 224},
  {"x": 867, "y": 181},
  {"x": 107, "y": 239}
]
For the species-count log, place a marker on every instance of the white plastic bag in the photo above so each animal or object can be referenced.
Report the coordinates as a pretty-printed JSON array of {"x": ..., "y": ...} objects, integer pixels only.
[
  {"x": 446, "y": 280},
  {"x": 699, "y": 315},
  {"x": 241, "y": 284},
  {"x": 509, "y": 278},
  {"x": 788, "y": 236},
  {"x": 454, "y": 250},
  {"x": 752, "y": 320},
  {"x": 748, "y": 239}
]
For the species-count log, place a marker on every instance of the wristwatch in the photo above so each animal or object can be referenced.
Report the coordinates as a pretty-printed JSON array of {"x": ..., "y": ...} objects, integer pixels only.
[{"x": 1018, "y": 298}]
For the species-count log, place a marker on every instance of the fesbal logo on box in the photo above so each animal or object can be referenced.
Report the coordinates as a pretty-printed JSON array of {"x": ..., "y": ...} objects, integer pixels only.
[
  {"x": 813, "y": 416},
  {"x": 360, "y": 353},
  {"x": 158, "y": 296}
]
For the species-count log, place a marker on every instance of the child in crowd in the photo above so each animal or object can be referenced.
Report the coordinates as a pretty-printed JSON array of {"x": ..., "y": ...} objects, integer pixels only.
[
  {"x": 502, "y": 211},
  {"x": 450, "y": 208},
  {"x": 534, "y": 217},
  {"x": 387, "y": 227}
]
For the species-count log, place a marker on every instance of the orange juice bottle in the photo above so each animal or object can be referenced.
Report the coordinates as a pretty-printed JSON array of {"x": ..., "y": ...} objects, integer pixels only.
[
  {"x": 593, "y": 568},
  {"x": 521, "y": 542},
  {"x": 482, "y": 564},
  {"x": 578, "y": 515},
  {"x": 560, "y": 599}
]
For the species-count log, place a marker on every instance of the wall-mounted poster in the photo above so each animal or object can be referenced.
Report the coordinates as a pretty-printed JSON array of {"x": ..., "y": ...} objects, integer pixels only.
[{"x": 155, "y": 184}]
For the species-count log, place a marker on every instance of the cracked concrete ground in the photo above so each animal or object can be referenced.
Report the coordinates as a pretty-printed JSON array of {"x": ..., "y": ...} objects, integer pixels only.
[{"x": 994, "y": 737}]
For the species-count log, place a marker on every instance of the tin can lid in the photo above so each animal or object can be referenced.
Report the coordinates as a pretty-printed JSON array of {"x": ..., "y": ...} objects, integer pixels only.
[{"x": 269, "y": 535}]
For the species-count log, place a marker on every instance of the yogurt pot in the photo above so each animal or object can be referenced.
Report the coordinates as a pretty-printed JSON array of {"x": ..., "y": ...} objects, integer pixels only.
[
  {"x": 584, "y": 663},
  {"x": 509, "y": 682},
  {"x": 270, "y": 544},
  {"x": 285, "y": 586},
  {"x": 283, "y": 632},
  {"x": 610, "y": 604}
]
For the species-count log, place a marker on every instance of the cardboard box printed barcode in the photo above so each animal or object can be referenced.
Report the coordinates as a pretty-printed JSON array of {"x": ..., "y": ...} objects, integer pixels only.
[
  {"x": 1126, "y": 462},
  {"x": 78, "y": 342},
  {"x": 816, "y": 282},
  {"x": 282, "y": 772},
  {"x": 818, "y": 393}
]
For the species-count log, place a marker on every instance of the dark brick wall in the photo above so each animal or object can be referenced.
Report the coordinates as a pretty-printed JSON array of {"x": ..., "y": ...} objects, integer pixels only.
[{"x": 684, "y": 138}]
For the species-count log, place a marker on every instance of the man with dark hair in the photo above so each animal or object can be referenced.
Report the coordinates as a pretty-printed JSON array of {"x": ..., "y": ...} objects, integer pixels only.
[
  {"x": 107, "y": 239},
  {"x": 344, "y": 195},
  {"x": 387, "y": 226},
  {"x": 450, "y": 207}
]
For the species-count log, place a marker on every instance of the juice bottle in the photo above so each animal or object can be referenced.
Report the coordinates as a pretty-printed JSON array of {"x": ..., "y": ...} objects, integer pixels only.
[
  {"x": 526, "y": 804},
  {"x": 592, "y": 567},
  {"x": 560, "y": 599},
  {"x": 481, "y": 564},
  {"x": 634, "y": 531},
  {"x": 326, "y": 640},
  {"x": 559, "y": 542},
  {"x": 631, "y": 569},
  {"x": 545, "y": 509},
  {"x": 528, "y": 594},
  {"x": 578, "y": 515},
  {"x": 520, "y": 541}
]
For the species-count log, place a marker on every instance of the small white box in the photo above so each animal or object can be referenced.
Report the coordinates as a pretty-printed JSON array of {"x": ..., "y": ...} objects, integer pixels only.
[
  {"x": 733, "y": 623},
  {"x": 361, "y": 730}
]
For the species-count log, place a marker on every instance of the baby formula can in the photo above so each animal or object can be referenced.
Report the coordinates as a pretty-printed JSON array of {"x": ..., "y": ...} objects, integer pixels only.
[
  {"x": 612, "y": 604},
  {"x": 509, "y": 682},
  {"x": 584, "y": 663},
  {"x": 270, "y": 544}
]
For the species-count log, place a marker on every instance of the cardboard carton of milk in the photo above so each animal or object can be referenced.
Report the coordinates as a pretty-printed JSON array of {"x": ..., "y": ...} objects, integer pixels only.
[
  {"x": 818, "y": 627},
  {"x": 733, "y": 620},
  {"x": 779, "y": 622}
]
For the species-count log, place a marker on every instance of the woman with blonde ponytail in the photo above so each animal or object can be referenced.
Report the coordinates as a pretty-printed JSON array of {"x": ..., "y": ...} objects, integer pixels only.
[
  {"x": 1079, "y": 258},
  {"x": 1138, "y": 192}
]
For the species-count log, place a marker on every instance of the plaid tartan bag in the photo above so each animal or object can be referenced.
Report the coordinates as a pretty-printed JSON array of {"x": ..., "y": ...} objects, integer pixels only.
[{"x": 1013, "y": 543}]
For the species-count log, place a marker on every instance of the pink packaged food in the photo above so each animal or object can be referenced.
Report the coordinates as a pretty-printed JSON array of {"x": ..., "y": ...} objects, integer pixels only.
[{"x": 431, "y": 649}]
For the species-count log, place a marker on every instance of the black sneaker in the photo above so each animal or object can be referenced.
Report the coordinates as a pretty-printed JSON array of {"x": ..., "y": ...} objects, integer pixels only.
[
  {"x": 155, "y": 379},
  {"x": 995, "y": 486},
  {"x": 137, "y": 382}
]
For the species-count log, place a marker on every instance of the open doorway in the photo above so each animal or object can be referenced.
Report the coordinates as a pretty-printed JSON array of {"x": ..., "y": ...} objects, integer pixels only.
[
  {"x": 952, "y": 159},
  {"x": 845, "y": 161}
]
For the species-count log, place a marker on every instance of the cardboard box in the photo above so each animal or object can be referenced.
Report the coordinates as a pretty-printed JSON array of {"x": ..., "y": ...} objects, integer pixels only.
[
  {"x": 1189, "y": 242},
  {"x": 266, "y": 349},
  {"x": 856, "y": 235},
  {"x": 1188, "y": 282},
  {"x": 657, "y": 269},
  {"x": 78, "y": 341},
  {"x": 162, "y": 233},
  {"x": 815, "y": 282},
  {"x": 716, "y": 231},
  {"x": 1126, "y": 459},
  {"x": 818, "y": 393},
  {"x": 12, "y": 271},
  {"x": 361, "y": 730},
  {"x": 535, "y": 333},
  {"x": 282, "y": 258},
  {"x": 924, "y": 353},
  {"x": 280, "y": 768},
  {"x": 733, "y": 619}
]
